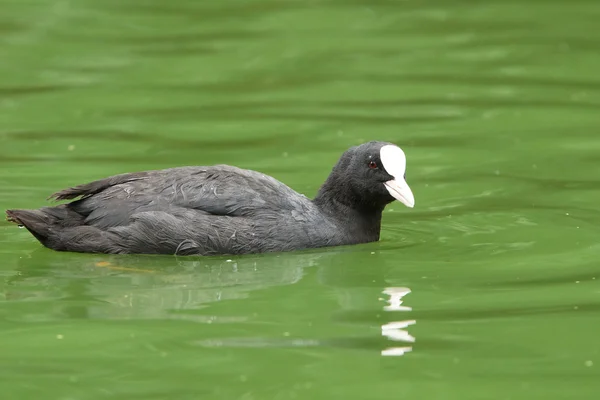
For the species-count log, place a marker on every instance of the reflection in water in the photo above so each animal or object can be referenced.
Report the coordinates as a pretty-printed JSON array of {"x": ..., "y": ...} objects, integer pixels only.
[
  {"x": 140, "y": 287},
  {"x": 396, "y": 295},
  {"x": 49, "y": 286},
  {"x": 396, "y": 330},
  {"x": 258, "y": 342}
]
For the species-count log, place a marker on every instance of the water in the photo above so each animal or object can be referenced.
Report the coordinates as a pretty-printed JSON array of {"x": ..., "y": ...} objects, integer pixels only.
[{"x": 488, "y": 289}]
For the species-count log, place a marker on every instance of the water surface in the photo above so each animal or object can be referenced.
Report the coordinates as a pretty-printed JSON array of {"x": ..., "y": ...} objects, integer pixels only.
[{"x": 487, "y": 289}]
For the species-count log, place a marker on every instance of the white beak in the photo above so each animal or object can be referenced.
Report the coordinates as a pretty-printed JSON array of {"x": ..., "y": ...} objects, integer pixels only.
[
  {"x": 394, "y": 162},
  {"x": 399, "y": 189}
]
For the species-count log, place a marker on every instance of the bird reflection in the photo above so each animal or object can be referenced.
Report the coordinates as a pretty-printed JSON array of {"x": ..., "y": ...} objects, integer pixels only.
[{"x": 395, "y": 331}]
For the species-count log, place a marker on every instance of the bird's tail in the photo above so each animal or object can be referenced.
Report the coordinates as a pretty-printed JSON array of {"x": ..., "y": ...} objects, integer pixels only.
[
  {"x": 36, "y": 221},
  {"x": 43, "y": 223}
]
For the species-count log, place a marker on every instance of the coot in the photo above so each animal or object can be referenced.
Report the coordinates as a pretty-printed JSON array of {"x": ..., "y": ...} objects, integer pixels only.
[{"x": 223, "y": 209}]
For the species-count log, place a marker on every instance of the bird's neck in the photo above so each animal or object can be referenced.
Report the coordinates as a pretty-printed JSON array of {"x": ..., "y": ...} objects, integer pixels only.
[{"x": 338, "y": 200}]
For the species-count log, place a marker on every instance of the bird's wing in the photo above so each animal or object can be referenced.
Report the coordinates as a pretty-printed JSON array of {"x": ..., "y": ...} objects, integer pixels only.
[{"x": 217, "y": 190}]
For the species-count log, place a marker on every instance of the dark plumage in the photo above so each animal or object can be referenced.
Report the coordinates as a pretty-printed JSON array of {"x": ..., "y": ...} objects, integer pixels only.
[{"x": 223, "y": 209}]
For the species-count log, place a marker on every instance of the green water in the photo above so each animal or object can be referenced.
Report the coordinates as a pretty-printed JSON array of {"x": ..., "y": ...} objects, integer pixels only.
[{"x": 497, "y": 105}]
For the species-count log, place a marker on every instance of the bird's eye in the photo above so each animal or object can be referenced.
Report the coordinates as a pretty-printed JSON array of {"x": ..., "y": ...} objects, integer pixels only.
[{"x": 372, "y": 164}]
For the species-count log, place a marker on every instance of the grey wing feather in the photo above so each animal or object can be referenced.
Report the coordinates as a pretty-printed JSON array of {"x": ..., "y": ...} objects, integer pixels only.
[
  {"x": 220, "y": 191},
  {"x": 89, "y": 189},
  {"x": 226, "y": 190}
]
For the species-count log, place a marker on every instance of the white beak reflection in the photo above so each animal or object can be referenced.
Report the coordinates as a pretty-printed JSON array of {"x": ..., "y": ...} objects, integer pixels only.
[{"x": 396, "y": 331}]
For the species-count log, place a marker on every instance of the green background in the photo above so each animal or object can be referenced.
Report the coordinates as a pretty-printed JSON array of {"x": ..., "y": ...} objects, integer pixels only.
[{"x": 496, "y": 104}]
